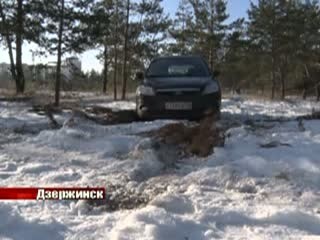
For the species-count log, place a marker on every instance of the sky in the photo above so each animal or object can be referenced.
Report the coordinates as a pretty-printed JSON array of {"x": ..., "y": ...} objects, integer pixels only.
[{"x": 236, "y": 9}]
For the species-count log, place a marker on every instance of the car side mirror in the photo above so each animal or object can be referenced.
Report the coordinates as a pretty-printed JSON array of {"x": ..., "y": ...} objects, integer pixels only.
[
  {"x": 216, "y": 73},
  {"x": 139, "y": 76}
]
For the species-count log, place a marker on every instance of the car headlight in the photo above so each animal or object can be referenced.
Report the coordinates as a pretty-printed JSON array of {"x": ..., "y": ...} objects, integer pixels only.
[
  {"x": 145, "y": 91},
  {"x": 212, "y": 87}
]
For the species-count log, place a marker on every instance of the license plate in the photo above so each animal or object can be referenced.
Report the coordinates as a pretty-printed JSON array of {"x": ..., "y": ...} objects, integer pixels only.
[{"x": 178, "y": 105}]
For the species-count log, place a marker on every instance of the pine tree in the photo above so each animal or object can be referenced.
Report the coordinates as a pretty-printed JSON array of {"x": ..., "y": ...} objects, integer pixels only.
[
  {"x": 214, "y": 19},
  {"x": 153, "y": 24},
  {"x": 264, "y": 32},
  {"x": 6, "y": 33},
  {"x": 67, "y": 31},
  {"x": 20, "y": 22},
  {"x": 236, "y": 59},
  {"x": 125, "y": 52},
  {"x": 282, "y": 30},
  {"x": 182, "y": 29},
  {"x": 116, "y": 38},
  {"x": 204, "y": 31},
  {"x": 308, "y": 42},
  {"x": 100, "y": 33}
]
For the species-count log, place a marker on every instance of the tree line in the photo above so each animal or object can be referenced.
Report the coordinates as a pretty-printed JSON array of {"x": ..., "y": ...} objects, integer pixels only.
[{"x": 275, "y": 49}]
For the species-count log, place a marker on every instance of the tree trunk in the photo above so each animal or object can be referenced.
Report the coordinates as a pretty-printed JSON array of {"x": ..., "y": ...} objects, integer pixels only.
[
  {"x": 273, "y": 58},
  {"x": 9, "y": 43},
  {"x": 105, "y": 69},
  {"x": 19, "y": 42},
  {"x": 273, "y": 76},
  {"x": 304, "y": 93},
  {"x": 211, "y": 42},
  {"x": 273, "y": 88},
  {"x": 115, "y": 73},
  {"x": 306, "y": 80},
  {"x": 283, "y": 76},
  {"x": 125, "y": 56},
  {"x": 59, "y": 56},
  {"x": 283, "y": 87},
  {"x": 115, "y": 68}
]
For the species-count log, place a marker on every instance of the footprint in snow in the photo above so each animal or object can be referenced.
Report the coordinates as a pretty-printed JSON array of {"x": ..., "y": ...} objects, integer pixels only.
[
  {"x": 5, "y": 175},
  {"x": 65, "y": 177},
  {"x": 8, "y": 167},
  {"x": 36, "y": 168}
]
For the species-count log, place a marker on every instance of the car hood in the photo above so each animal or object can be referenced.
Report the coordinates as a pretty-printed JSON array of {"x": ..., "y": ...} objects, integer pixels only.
[{"x": 181, "y": 82}]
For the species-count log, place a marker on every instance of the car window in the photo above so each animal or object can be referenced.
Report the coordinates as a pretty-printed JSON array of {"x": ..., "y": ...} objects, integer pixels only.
[{"x": 183, "y": 67}]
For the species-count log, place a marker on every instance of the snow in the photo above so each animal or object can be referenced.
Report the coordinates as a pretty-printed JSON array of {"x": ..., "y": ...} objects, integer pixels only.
[
  {"x": 266, "y": 108},
  {"x": 14, "y": 226},
  {"x": 242, "y": 191},
  {"x": 118, "y": 105},
  {"x": 16, "y": 115}
]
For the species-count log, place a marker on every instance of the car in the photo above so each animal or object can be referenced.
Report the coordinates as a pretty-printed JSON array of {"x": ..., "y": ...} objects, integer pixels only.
[{"x": 178, "y": 87}]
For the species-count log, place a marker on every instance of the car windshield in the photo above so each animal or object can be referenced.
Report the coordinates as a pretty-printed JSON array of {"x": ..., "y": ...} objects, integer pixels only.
[{"x": 178, "y": 67}]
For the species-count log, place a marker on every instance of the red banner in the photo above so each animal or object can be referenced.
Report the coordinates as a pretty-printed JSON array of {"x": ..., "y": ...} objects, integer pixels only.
[{"x": 52, "y": 193}]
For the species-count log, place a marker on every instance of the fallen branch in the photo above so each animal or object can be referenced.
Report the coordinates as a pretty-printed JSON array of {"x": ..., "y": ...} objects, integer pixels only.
[
  {"x": 315, "y": 115},
  {"x": 44, "y": 109},
  {"x": 274, "y": 144},
  {"x": 105, "y": 116},
  {"x": 15, "y": 99},
  {"x": 49, "y": 113}
]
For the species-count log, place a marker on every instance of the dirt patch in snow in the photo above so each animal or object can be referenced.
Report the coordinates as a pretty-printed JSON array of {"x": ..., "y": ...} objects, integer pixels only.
[
  {"x": 199, "y": 139},
  {"x": 126, "y": 197},
  {"x": 97, "y": 114},
  {"x": 110, "y": 115}
]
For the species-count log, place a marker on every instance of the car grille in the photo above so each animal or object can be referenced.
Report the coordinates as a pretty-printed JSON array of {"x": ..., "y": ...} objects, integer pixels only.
[{"x": 178, "y": 92}]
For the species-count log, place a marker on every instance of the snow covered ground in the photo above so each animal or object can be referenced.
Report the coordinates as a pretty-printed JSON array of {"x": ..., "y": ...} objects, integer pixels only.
[
  {"x": 242, "y": 191},
  {"x": 119, "y": 105}
]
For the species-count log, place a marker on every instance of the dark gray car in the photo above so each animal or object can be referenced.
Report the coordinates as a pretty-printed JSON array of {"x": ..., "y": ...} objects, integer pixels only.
[{"x": 178, "y": 87}]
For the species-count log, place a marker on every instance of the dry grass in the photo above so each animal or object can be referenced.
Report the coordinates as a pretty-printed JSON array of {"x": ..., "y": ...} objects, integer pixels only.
[{"x": 197, "y": 140}]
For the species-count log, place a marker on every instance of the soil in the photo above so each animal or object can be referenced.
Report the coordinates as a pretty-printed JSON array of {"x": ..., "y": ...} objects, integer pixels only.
[{"x": 199, "y": 139}]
